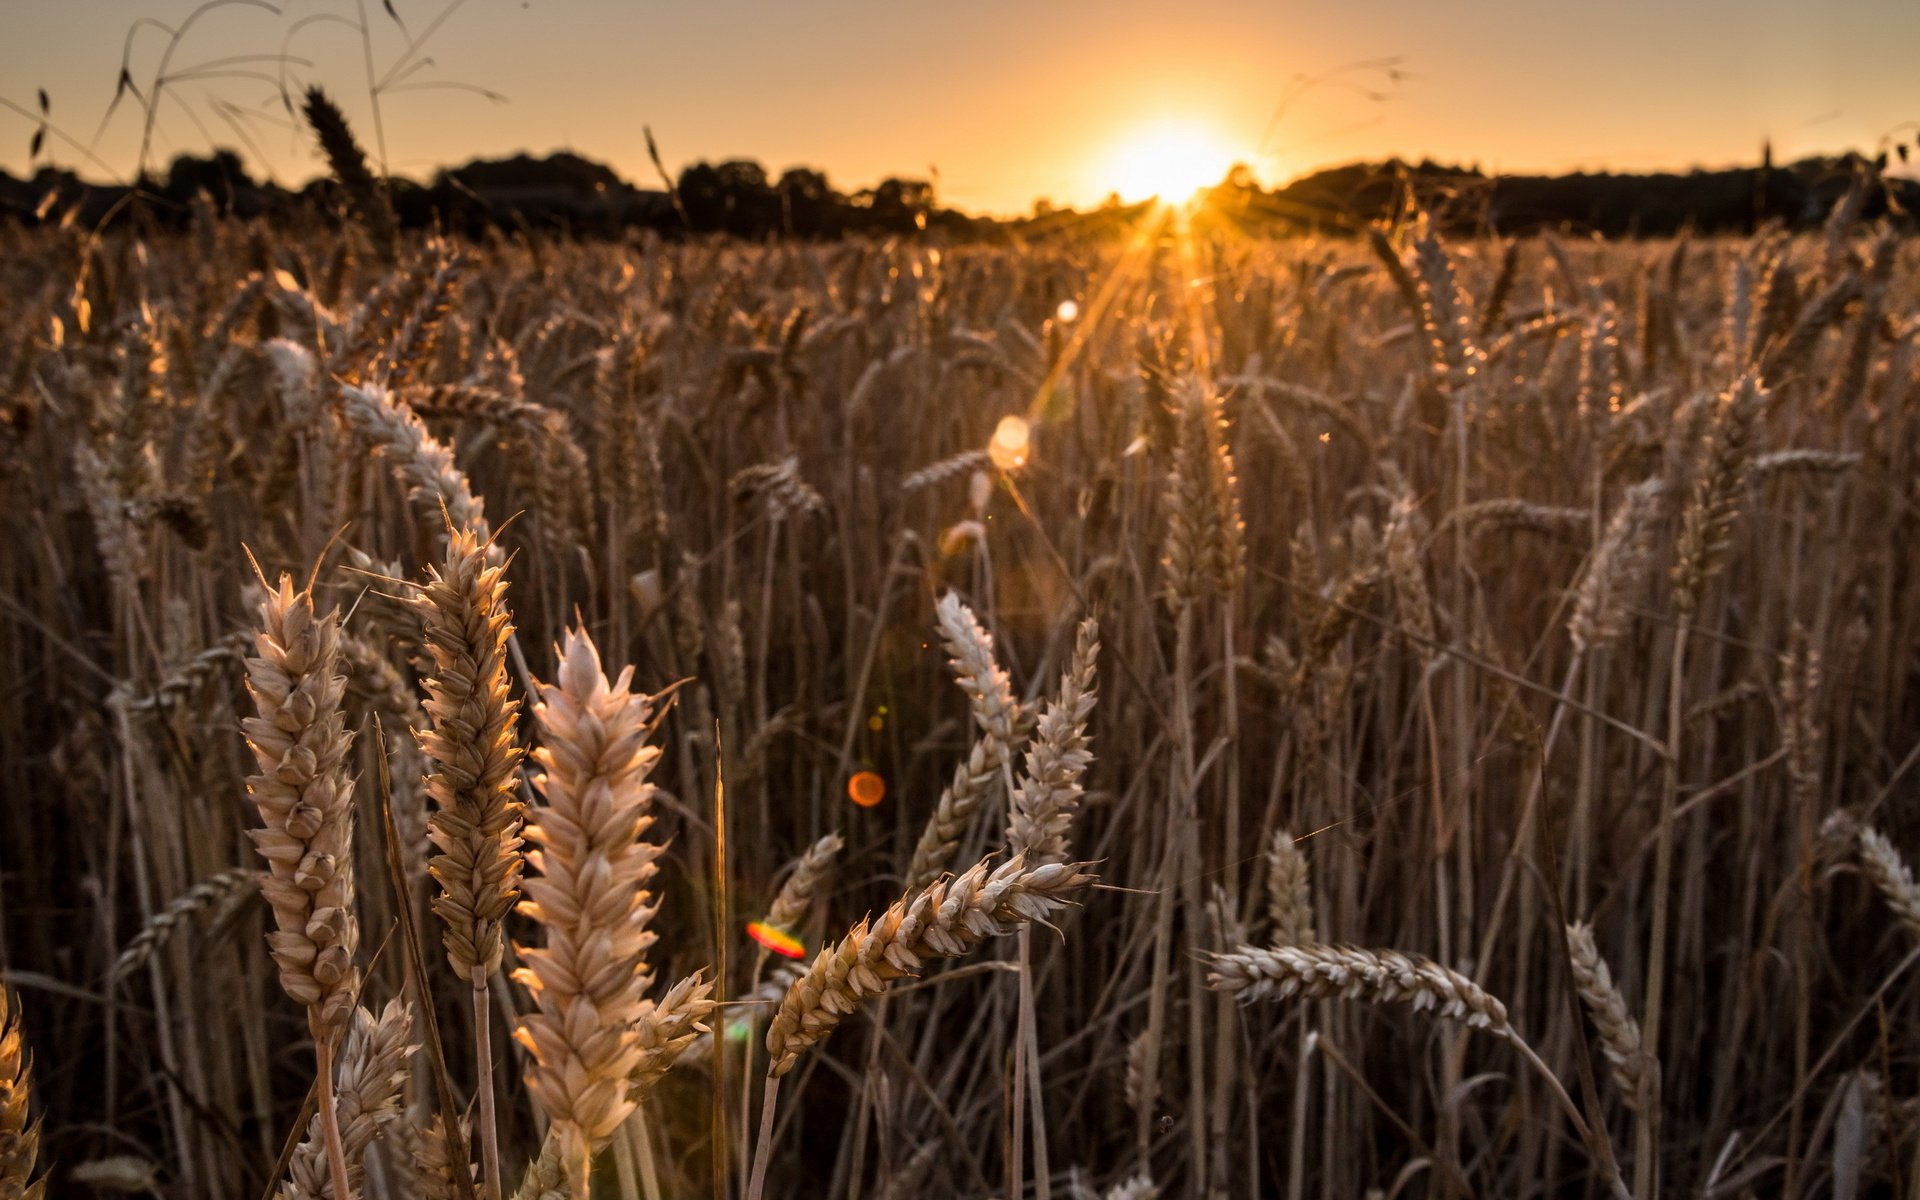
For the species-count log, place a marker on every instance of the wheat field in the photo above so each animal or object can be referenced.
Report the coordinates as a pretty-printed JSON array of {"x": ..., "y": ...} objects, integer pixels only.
[{"x": 1364, "y": 716}]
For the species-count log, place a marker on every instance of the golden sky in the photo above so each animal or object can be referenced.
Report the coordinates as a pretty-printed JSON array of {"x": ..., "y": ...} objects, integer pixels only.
[{"x": 1009, "y": 101}]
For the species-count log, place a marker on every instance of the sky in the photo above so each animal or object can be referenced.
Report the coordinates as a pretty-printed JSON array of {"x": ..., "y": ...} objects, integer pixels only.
[{"x": 1006, "y": 101}]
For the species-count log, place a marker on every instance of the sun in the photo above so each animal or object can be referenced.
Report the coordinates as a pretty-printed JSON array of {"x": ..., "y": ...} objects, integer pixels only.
[{"x": 1170, "y": 160}]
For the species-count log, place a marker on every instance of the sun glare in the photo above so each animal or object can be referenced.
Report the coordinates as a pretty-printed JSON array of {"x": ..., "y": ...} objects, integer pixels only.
[{"x": 1171, "y": 160}]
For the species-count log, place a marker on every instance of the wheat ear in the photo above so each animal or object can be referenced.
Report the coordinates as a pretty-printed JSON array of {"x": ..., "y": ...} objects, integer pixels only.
[
  {"x": 1289, "y": 892},
  {"x": 1635, "y": 1071},
  {"x": 1049, "y": 790},
  {"x": 945, "y": 920},
  {"x": 792, "y": 904},
  {"x": 210, "y": 893},
  {"x": 990, "y": 694},
  {"x": 1719, "y": 480},
  {"x": 430, "y": 1165},
  {"x": 591, "y": 895},
  {"x": 1349, "y": 973},
  {"x": 435, "y": 483},
  {"x": 550, "y": 1177},
  {"x": 474, "y": 783},
  {"x": 1617, "y": 569},
  {"x": 373, "y": 1066},
  {"x": 19, "y": 1134},
  {"x": 349, "y": 165},
  {"x": 1252, "y": 973},
  {"x": 1890, "y": 875},
  {"x": 667, "y": 1028},
  {"x": 304, "y": 795}
]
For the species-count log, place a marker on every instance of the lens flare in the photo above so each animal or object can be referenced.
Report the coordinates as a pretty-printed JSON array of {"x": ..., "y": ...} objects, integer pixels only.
[
  {"x": 866, "y": 788},
  {"x": 777, "y": 940},
  {"x": 1171, "y": 160},
  {"x": 1008, "y": 449}
]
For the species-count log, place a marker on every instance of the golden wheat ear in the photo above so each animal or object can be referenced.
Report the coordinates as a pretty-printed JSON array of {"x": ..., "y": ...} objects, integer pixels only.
[
  {"x": 474, "y": 784},
  {"x": 19, "y": 1132}
]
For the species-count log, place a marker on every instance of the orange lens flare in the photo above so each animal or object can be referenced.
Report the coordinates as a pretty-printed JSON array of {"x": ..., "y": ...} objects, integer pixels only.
[
  {"x": 866, "y": 789},
  {"x": 778, "y": 941},
  {"x": 1008, "y": 448}
]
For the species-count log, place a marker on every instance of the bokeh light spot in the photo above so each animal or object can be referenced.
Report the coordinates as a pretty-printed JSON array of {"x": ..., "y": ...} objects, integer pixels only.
[
  {"x": 866, "y": 788},
  {"x": 1009, "y": 446}
]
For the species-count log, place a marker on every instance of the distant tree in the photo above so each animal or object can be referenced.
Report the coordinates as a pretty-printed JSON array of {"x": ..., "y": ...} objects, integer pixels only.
[
  {"x": 703, "y": 197},
  {"x": 808, "y": 204},
  {"x": 900, "y": 205},
  {"x": 220, "y": 176},
  {"x": 733, "y": 197}
]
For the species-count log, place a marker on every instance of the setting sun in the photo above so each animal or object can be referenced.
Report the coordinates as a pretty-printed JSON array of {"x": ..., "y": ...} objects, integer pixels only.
[{"x": 1171, "y": 160}]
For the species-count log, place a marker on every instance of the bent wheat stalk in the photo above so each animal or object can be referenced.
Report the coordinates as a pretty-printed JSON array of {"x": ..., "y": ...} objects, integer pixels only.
[
  {"x": 1310, "y": 972},
  {"x": 945, "y": 920}
]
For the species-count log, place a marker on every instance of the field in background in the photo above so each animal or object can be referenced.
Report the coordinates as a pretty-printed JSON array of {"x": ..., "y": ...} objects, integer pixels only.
[{"x": 1448, "y": 595}]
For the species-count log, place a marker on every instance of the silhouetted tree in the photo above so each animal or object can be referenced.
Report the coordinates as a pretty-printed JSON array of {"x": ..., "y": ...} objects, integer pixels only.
[
  {"x": 900, "y": 205},
  {"x": 221, "y": 176},
  {"x": 733, "y": 197},
  {"x": 809, "y": 206}
]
